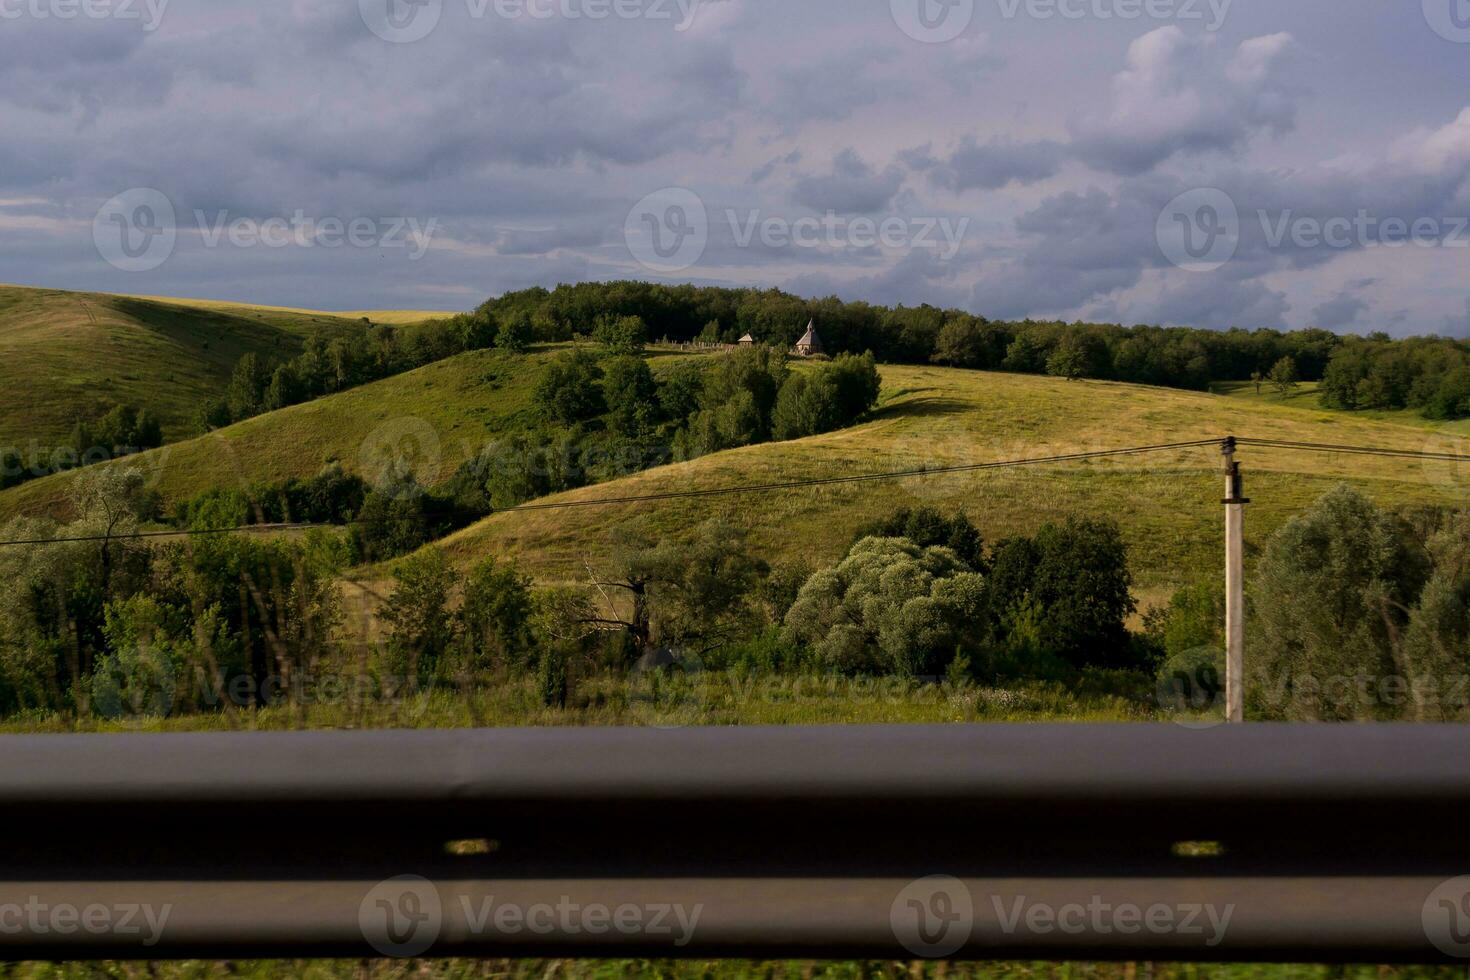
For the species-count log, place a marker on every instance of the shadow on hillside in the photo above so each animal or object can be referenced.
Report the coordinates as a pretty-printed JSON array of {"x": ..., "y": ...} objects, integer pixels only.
[{"x": 927, "y": 407}]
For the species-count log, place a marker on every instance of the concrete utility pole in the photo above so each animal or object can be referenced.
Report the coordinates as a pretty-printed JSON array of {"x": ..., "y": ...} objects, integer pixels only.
[{"x": 1235, "y": 501}]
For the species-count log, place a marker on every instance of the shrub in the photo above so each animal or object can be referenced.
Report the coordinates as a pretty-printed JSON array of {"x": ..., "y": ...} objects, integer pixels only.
[
  {"x": 417, "y": 614},
  {"x": 1329, "y": 595},
  {"x": 496, "y": 613},
  {"x": 1075, "y": 576},
  {"x": 631, "y": 396},
  {"x": 570, "y": 390},
  {"x": 621, "y": 335},
  {"x": 928, "y": 528},
  {"x": 889, "y": 607}
]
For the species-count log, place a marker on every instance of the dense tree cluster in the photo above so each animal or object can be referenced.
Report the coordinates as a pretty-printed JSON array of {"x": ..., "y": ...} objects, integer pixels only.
[
  {"x": 114, "y": 624},
  {"x": 1175, "y": 357},
  {"x": 121, "y": 431},
  {"x": 1431, "y": 374},
  {"x": 1357, "y": 614},
  {"x": 917, "y": 591}
]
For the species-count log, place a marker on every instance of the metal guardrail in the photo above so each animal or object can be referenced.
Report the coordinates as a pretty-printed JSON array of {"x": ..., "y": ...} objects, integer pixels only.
[{"x": 1029, "y": 841}]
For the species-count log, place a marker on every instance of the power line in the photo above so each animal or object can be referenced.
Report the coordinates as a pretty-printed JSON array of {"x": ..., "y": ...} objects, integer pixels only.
[
  {"x": 1317, "y": 447},
  {"x": 668, "y": 495},
  {"x": 791, "y": 485}
]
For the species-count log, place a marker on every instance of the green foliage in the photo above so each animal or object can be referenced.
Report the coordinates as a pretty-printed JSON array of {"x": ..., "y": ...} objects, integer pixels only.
[
  {"x": 928, "y": 528},
  {"x": 621, "y": 335},
  {"x": 516, "y": 332},
  {"x": 631, "y": 396},
  {"x": 333, "y": 496},
  {"x": 679, "y": 391},
  {"x": 1431, "y": 374},
  {"x": 889, "y": 607},
  {"x": 393, "y": 519},
  {"x": 736, "y": 399},
  {"x": 969, "y": 342},
  {"x": 1072, "y": 580},
  {"x": 693, "y": 594},
  {"x": 420, "y": 627},
  {"x": 1027, "y": 354},
  {"x": 783, "y": 585},
  {"x": 534, "y": 464},
  {"x": 553, "y": 686},
  {"x": 1330, "y": 594},
  {"x": 496, "y": 614},
  {"x": 570, "y": 390},
  {"x": 125, "y": 430},
  {"x": 806, "y": 406},
  {"x": 1283, "y": 376},
  {"x": 1194, "y": 618},
  {"x": 1077, "y": 355},
  {"x": 246, "y": 393}
]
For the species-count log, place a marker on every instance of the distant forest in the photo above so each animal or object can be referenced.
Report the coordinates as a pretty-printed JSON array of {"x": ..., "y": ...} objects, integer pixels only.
[{"x": 1374, "y": 372}]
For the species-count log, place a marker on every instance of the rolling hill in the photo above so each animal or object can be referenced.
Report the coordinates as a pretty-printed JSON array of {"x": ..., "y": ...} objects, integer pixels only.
[
  {"x": 439, "y": 415},
  {"x": 1168, "y": 504},
  {"x": 75, "y": 355}
]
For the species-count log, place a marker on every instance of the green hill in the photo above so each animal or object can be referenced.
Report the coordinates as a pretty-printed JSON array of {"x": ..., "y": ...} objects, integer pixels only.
[
  {"x": 1168, "y": 504},
  {"x": 441, "y": 413},
  {"x": 75, "y": 355}
]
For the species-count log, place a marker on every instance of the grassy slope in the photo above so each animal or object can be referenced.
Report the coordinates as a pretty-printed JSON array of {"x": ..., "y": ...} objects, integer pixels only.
[
  {"x": 459, "y": 404},
  {"x": 77, "y": 354},
  {"x": 1169, "y": 505},
  {"x": 396, "y": 317},
  {"x": 1307, "y": 396}
]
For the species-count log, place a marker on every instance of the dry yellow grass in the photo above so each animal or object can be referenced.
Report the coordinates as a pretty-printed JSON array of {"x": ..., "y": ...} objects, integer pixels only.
[{"x": 1168, "y": 504}]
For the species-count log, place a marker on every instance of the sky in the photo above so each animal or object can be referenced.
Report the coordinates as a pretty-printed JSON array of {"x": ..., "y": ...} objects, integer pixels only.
[{"x": 1215, "y": 163}]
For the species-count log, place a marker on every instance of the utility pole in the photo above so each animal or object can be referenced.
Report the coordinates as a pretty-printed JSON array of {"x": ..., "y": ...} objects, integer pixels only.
[{"x": 1235, "y": 501}]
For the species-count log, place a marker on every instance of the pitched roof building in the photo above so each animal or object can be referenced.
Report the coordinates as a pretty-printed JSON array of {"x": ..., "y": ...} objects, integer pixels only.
[
  {"x": 747, "y": 341},
  {"x": 810, "y": 344}
]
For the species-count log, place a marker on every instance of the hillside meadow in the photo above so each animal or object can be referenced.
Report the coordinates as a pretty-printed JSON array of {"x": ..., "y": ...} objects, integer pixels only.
[
  {"x": 75, "y": 355},
  {"x": 435, "y": 417},
  {"x": 1168, "y": 504}
]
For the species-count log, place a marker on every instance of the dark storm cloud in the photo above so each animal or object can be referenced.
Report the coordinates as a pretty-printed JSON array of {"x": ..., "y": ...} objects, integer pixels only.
[{"x": 527, "y": 141}]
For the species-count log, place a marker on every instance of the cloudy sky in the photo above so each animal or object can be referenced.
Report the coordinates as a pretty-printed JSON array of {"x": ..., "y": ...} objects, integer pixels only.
[{"x": 1208, "y": 162}]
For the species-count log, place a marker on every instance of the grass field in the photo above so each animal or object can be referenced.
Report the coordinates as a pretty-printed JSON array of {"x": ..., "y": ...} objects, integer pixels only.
[
  {"x": 438, "y": 415},
  {"x": 75, "y": 355},
  {"x": 1168, "y": 504},
  {"x": 1308, "y": 396},
  {"x": 393, "y": 317}
]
